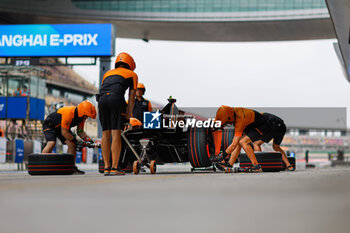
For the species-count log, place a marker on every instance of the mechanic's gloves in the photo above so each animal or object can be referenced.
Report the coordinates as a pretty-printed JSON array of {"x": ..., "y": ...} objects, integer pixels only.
[
  {"x": 88, "y": 139},
  {"x": 79, "y": 144}
]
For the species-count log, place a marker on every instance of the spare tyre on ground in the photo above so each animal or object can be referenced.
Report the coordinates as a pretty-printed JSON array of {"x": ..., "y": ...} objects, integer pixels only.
[
  {"x": 50, "y": 164},
  {"x": 269, "y": 161}
]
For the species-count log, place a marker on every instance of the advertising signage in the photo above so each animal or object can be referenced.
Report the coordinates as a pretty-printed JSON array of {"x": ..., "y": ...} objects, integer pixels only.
[{"x": 56, "y": 40}]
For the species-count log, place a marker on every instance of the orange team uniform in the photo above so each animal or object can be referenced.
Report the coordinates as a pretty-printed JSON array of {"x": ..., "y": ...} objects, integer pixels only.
[
  {"x": 246, "y": 121},
  {"x": 65, "y": 117},
  {"x": 111, "y": 103}
]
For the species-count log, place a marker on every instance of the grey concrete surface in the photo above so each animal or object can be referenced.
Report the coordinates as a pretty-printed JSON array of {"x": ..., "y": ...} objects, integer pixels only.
[{"x": 315, "y": 200}]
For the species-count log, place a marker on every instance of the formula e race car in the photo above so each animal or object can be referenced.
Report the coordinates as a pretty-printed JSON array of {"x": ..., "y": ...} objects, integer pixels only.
[
  {"x": 170, "y": 142},
  {"x": 177, "y": 139}
]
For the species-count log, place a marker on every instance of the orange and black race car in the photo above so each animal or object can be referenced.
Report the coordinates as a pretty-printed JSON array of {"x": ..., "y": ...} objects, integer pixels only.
[{"x": 171, "y": 142}]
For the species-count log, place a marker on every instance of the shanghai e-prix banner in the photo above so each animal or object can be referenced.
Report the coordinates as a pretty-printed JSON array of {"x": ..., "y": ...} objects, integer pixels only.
[{"x": 65, "y": 40}]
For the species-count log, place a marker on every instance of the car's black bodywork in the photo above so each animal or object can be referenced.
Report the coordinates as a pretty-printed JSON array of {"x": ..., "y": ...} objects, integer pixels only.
[{"x": 170, "y": 145}]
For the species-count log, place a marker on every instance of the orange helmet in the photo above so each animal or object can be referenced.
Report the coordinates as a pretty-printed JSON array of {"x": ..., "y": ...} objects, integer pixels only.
[
  {"x": 141, "y": 86},
  {"x": 125, "y": 58},
  {"x": 86, "y": 108},
  {"x": 225, "y": 114},
  {"x": 135, "y": 122}
]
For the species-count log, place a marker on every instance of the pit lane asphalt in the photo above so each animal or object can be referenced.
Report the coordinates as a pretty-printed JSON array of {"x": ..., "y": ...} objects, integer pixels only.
[{"x": 313, "y": 200}]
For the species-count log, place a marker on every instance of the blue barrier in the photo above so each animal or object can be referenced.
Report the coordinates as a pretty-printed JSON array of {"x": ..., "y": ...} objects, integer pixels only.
[
  {"x": 100, "y": 154},
  {"x": 41, "y": 110},
  {"x": 16, "y": 108},
  {"x": 79, "y": 157},
  {"x": 33, "y": 108},
  {"x": 3, "y": 107},
  {"x": 19, "y": 150}
]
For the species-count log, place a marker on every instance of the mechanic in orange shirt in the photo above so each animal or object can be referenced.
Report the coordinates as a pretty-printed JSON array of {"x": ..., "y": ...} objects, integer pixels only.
[
  {"x": 59, "y": 123},
  {"x": 249, "y": 126},
  {"x": 141, "y": 104},
  {"x": 114, "y": 111}
]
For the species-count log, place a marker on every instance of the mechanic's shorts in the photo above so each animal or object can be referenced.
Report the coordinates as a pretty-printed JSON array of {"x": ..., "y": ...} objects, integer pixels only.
[
  {"x": 278, "y": 130},
  {"x": 51, "y": 133},
  {"x": 111, "y": 110},
  {"x": 256, "y": 130}
]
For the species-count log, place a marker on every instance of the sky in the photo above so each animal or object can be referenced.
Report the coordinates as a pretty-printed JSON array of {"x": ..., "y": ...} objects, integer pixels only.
[{"x": 245, "y": 74}]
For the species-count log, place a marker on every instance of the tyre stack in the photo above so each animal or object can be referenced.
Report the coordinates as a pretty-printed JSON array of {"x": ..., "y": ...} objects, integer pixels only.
[
  {"x": 269, "y": 161},
  {"x": 50, "y": 164}
]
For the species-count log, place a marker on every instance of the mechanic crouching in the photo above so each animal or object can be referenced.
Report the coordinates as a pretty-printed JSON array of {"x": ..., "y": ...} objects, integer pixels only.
[
  {"x": 249, "y": 127},
  {"x": 59, "y": 123},
  {"x": 114, "y": 112},
  {"x": 278, "y": 130}
]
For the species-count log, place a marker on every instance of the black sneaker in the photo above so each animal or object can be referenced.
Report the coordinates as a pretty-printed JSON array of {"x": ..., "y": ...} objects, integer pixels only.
[
  {"x": 116, "y": 172},
  {"x": 216, "y": 158},
  {"x": 76, "y": 171},
  {"x": 257, "y": 168},
  {"x": 107, "y": 172}
]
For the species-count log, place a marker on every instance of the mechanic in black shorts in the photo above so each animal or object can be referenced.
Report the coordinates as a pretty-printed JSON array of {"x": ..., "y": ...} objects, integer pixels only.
[
  {"x": 277, "y": 132},
  {"x": 114, "y": 111},
  {"x": 58, "y": 125},
  {"x": 249, "y": 127}
]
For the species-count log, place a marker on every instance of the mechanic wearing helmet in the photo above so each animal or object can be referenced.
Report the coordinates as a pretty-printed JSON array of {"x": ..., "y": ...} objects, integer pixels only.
[
  {"x": 278, "y": 129},
  {"x": 246, "y": 121},
  {"x": 141, "y": 104},
  {"x": 114, "y": 111},
  {"x": 59, "y": 123}
]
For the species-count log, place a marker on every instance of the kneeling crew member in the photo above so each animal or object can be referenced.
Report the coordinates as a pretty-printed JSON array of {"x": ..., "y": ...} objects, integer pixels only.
[
  {"x": 113, "y": 110},
  {"x": 59, "y": 123},
  {"x": 245, "y": 121},
  {"x": 141, "y": 104},
  {"x": 278, "y": 130}
]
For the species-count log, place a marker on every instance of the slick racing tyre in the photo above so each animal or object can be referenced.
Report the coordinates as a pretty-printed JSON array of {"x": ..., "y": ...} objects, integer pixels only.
[
  {"x": 227, "y": 137},
  {"x": 269, "y": 161},
  {"x": 50, "y": 164},
  {"x": 200, "y": 147}
]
